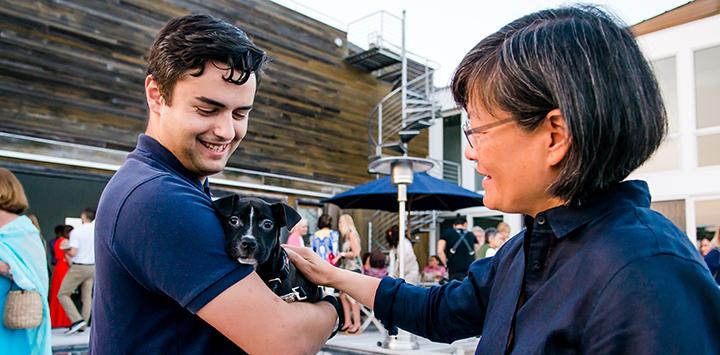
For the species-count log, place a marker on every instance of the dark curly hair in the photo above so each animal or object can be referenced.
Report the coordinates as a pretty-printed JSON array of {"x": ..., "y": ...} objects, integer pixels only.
[{"x": 186, "y": 43}]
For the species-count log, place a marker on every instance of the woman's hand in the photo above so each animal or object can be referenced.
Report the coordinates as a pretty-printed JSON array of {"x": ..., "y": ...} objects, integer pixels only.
[
  {"x": 5, "y": 269},
  {"x": 311, "y": 265}
]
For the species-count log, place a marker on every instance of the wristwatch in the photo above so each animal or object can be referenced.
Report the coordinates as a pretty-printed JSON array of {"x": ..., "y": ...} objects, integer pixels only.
[{"x": 340, "y": 313}]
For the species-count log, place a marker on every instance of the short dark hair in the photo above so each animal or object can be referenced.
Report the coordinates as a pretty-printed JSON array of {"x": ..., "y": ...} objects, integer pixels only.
[
  {"x": 89, "y": 213},
  {"x": 325, "y": 221},
  {"x": 585, "y": 62},
  {"x": 188, "y": 42},
  {"x": 459, "y": 219}
]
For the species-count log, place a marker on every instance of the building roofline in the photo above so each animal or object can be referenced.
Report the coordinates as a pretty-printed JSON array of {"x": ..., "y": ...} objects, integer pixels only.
[{"x": 691, "y": 11}]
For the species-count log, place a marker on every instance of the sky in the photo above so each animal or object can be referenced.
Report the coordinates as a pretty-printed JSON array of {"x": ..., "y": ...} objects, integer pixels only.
[{"x": 444, "y": 30}]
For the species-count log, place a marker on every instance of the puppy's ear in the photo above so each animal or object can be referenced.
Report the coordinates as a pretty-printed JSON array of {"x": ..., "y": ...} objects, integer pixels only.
[
  {"x": 226, "y": 205},
  {"x": 285, "y": 215}
]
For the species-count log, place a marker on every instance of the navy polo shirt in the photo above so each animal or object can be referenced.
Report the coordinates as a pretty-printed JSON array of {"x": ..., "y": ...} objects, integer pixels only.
[
  {"x": 609, "y": 277},
  {"x": 159, "y": 259}
]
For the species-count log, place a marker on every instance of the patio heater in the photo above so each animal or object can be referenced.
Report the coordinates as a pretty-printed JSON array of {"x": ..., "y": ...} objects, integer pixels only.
[{"x": 401, "y": 171}]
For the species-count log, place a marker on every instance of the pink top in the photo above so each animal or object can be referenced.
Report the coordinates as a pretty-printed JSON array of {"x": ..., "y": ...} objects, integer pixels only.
[{"x": 296, "y": 240}]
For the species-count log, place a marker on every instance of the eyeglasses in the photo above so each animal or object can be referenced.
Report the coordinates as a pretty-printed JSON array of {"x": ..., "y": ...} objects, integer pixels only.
[{"x": 471, "y": 132}]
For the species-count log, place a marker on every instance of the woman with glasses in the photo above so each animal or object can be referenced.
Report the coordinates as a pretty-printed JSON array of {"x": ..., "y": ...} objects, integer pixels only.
[{"x": 562, "y": 107}]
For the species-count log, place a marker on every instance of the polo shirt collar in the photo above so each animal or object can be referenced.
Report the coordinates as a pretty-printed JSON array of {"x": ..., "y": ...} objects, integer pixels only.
[
  {"x": 565, "y": 219},
  {"x": 156, "y": 151}
]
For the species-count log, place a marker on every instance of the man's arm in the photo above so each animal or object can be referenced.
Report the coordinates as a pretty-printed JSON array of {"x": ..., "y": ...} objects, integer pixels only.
[
  {"x": 258, "y": 321},
  {"x": 441, "y": 251}
]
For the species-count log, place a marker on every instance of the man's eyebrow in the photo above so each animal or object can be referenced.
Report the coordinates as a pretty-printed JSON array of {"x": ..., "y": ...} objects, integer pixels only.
[{"x": 210, "y": 101}]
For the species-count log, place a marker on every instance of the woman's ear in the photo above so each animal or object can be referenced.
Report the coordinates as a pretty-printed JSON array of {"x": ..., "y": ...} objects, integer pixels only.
[
  {"x": 560, "y": 138},
  {"x": 152, "y": 95}
]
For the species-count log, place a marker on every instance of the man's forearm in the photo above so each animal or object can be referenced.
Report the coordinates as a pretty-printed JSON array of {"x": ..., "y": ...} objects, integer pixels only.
[{"x": 314, "y": 321}]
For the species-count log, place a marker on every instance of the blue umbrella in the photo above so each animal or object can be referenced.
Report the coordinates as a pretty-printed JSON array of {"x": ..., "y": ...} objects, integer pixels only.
[{"x": 426, "y": 193}]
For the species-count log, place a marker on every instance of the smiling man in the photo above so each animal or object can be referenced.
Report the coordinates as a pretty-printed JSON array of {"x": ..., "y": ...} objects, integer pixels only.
[{"x": 164, "y": 283}]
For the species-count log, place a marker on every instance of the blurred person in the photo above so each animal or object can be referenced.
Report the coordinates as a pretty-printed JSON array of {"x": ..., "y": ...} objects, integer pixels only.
[
  {"x": 456, "y": 248},
  {"x": 375, "y": 264},
  {"x": 23, "y": 266},
  {"x": 712, "y": 256},
  {"x": 411, "y": 272},
  {"x": 58, "y": 317},
  {"x": 81, "y": 273},
  {"x": 164, "y": 282},
  {"x": 434, "y": 271},
  {"x": 482, "y": 246},
  {"x": 349, "y": 259},
  {"x": 298, "y": 232},
  {"x": 504, "y": 230},
  {"x": 495, "y": 241},
  {"x": 325, "y": 240},
  {"x": 562, "y": 107},
  {"x": 705, "y": 245}
]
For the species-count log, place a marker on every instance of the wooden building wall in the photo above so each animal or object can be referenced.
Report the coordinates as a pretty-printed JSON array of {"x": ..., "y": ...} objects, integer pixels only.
[{"x": 73, "y": 71}]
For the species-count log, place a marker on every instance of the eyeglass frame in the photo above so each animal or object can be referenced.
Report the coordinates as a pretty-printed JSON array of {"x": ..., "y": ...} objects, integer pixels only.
[{"x": 470, "y": 131}]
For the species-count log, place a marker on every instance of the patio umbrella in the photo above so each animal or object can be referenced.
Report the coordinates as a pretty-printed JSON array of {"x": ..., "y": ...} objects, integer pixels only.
[{"x": 426, "y": 193}]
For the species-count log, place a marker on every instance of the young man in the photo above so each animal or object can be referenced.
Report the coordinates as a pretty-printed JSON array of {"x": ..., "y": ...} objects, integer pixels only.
[
  {"x": 562, "y": 106},
  {"x": 165, "y": 284},
  {"x": 81, "y": 250},
  {"x": 456, "y": 248}
]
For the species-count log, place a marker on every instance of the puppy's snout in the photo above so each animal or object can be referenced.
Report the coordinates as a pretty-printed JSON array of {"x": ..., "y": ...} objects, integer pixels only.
[{"x": 248, "y": 244}]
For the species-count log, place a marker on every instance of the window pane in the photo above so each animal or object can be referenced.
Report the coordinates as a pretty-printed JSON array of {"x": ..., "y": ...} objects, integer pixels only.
[
  {"x": 673, "y": 210},
  {"x": 667, "y": 157},
  {"x": 708, "y": 150},
  {"x": 707, "y": 217},
  {"x": 667, "y": 79},
  {"x": 707, "y": 87}
]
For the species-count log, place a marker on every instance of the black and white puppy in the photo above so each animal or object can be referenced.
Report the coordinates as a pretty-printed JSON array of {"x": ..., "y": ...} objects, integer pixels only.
[{"x": 252, "y": 236}]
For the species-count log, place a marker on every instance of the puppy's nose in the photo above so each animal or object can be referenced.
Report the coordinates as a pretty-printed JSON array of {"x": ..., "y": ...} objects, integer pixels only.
[{"x": 248, "y": 244}]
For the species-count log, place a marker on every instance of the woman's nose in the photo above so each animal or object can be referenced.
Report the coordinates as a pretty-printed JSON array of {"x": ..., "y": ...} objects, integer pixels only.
[{"x": 470, "y": 153}]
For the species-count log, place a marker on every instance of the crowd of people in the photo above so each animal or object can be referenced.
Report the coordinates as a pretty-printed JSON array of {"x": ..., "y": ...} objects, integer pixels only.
[{"x": 54, "y": 270}]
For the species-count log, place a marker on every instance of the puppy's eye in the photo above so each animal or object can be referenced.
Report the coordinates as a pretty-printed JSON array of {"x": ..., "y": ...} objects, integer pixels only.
[
  {"x": 234, "y": 221},
  {"x": 267, "y": 224}
]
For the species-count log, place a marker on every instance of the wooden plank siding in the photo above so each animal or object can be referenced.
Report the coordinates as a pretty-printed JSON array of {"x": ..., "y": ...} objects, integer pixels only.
[{"x": 73, "y": 71}]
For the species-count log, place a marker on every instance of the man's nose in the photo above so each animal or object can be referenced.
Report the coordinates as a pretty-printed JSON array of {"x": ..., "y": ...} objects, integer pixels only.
[{"x": 225, "y": 127}]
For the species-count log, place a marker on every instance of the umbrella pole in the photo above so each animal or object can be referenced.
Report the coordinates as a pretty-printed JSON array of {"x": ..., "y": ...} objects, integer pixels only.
[{"x": 402, "y": 199}]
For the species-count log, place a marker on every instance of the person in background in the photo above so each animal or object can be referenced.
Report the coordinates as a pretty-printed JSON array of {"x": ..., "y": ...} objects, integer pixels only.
[
  {"x": 349, "y": 259},
  {"x": 504, "y": 230},
  {"x": 58, "y": 317},
  {"x": 495, "y": 241},
  {"x": 411, "y": 272},
  {"x": 375, "y": 264},
  {"x": 712, "y": 257},
  {"x": 434, "y": 271},
  {"x": 325, "y": 240},
  {"x": 298, "y": 232},
  {"x": 81, "y": 250},
  {"x": 456, "y": 248},
  {"x": 23, "y": 266},
  {"x": 482, "y": 246}
]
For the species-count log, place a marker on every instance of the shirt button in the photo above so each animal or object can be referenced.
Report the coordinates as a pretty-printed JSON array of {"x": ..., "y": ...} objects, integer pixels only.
[
  {"x": 541, "y": 220},
  {"x": 537, "y": 266}
]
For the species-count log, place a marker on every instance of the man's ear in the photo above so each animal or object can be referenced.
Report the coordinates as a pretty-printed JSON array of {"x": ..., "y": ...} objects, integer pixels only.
[
  {"x": 152, "y": 95},
  {"x": 560, "y": 137},
  {"x": 285, "y": 216},
  {"x": 226, "y": 205}
]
